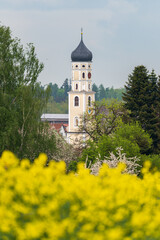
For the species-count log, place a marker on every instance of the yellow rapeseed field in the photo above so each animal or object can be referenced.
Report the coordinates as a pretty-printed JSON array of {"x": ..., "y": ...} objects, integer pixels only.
[{"x": 38, "y": 202}]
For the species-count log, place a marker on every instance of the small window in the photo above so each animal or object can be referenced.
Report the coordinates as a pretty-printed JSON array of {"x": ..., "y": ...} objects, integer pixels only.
[
  {"x": 89, "y": 101},
  {"x": 83, "y": 75},
  {"x": 76, "y": 66},
  {"x": 76, "y": 101},
  {"x": 89, "y": 86},
  {"x": 76, "y": 122},
  {"x": 89, "y": 66},
  {"x": 76, "y": 86},
  {"x": 83, "y": 66}
]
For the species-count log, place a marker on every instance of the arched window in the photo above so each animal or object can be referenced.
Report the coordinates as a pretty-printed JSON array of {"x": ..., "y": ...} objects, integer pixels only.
[
  {"x": 76, "y": 101},
  {"x": 83, "y": 75},
  {"x": 76, "y": 121},
  {"x": 89, "y": 101},
  {"x": 89, "y": 86},
  {"x": 76, "y": 86}
]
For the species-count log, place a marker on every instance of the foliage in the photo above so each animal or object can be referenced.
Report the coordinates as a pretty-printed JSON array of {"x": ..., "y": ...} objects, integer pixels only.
[
  {"x": 58, "y": 100},
  {"x": 55, "y": 107},
  {"x": 104, "y": 117},
  {"x": 22, "y": 99},
  {"x": 135, "y": 134},
  {"x": 18, "y": 66},
  {"x": 39, "y": 202},
  {"x": 60, "y": 94},
  {"x": 65, "y": 151},
  {"x": 142, "y": 99},
  {"x": 154, "y": 160},
  {"x": 131, "y": 137},
  {"x": 131, "y": 165},
  {"x": 42, "y": 140},
  {"x": 108, "y": 93}
]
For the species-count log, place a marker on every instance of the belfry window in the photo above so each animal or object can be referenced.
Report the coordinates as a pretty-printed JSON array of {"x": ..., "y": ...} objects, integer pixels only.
[
  {"x": 83, "y": 75},
  {"x": 76, "y": 101},
  {"x": 76, "y": 86},
  {"x": 76, "y": 121},
  {"x": 89, "y": 101}
]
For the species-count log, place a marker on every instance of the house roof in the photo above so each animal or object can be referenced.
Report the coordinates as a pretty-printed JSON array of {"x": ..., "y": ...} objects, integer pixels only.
[
  {"x": 50, "y": 116},
  {"x": 58, "y": 126}
]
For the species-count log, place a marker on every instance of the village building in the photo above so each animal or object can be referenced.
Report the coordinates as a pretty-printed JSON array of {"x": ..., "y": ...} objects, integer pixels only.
[{"x": 80, "y": 97}]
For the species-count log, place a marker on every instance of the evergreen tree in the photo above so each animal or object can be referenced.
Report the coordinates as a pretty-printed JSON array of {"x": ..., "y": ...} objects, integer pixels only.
[
  {"x": 136, "y": 90},
  {"x": 102, "y": 92},
  {"x": 66, "y": 86},
  {"x": 157, "y": 113},
  {"x": 95, "y": 89},
  {"x": 153, "y": 120},
  {"x": 107, "y": 92},
  {"x": 141, "y": 98}
]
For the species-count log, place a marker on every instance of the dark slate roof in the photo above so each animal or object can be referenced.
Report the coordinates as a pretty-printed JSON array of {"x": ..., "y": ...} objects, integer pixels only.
[{"x": 81, "y": 53}]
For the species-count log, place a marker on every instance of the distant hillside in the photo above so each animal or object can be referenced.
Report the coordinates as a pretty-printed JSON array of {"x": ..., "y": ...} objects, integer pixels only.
[{"x": 58, "y": 101}]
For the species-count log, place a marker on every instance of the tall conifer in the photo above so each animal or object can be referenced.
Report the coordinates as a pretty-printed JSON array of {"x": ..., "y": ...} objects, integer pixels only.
[
  {"x": 141, "y": 98},
  {"x": 136, "y": 91}
]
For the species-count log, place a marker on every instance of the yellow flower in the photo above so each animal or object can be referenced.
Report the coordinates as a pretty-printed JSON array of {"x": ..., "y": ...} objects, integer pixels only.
[{"x": 43, "y": 202}]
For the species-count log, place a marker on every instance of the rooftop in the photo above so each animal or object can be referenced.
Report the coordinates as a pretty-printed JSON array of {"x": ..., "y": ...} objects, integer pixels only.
[{"x": 81, "y": 53}]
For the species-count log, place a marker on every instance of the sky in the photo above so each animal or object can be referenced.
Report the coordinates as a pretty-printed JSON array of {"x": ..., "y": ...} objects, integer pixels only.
[{"x": 121, "y": 34}]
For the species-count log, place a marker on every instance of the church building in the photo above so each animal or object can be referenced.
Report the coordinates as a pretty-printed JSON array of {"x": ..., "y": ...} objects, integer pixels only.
[{"x": 81, "y": 95}]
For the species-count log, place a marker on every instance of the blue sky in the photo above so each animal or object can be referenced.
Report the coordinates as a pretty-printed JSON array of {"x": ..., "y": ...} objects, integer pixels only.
[{"x": 120, "y": 33}]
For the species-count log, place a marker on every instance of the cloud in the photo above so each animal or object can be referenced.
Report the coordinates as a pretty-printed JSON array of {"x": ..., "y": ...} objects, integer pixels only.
[
  {"x": 122, "y": 6},
  {"x": 113, "y": 31},
  {"x": 47, "y": 5},
  {"x": 56, "y": 33},
  {"x": 44, "y": 5}
]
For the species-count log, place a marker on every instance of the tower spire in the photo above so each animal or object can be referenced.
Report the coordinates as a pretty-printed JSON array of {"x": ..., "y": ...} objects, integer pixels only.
[{"x": 82, "y": 34}]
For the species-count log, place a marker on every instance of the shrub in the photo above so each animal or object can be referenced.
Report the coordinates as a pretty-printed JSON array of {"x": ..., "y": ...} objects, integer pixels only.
[{"x": 131, "y": 165}]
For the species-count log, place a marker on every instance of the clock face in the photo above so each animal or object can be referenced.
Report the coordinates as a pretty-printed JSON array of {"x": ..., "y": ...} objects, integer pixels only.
[{"x": 89, "y": 75}]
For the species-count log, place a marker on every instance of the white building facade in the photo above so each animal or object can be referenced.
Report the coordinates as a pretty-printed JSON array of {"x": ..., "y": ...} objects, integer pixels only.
[{"x": 81, "y": 95}]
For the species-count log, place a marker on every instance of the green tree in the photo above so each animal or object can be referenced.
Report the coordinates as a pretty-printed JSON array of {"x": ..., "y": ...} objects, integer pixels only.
[
  {"x": 104, "y": 118},
  {"x": 95, "y": 89},
  {"x": 67, "y": 87},
  {"x": 137, "y": 89},
  {"x": 102, "y": 92},
  {"x": 54, "y": 90},
  {"x": 131, "y": 137},
  {"x": 21, "y": 97},
  {"x": 141, "y": 99},
  {"x": 18, "y": 66}
]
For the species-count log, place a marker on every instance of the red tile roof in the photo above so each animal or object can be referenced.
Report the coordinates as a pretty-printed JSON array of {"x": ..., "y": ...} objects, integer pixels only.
[{"x": 57, "y": 126}]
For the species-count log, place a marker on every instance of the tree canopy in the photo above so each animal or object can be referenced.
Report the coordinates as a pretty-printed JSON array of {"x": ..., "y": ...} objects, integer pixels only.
[
  {"x": 142, "y": 98},
  {"x": 21, "y": 98}
]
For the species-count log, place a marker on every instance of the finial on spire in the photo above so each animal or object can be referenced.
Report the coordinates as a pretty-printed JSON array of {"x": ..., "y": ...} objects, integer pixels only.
[{"x": 81, "y": 33}]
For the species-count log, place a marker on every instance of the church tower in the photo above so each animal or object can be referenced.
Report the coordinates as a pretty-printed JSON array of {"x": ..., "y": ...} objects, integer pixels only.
[{"x": 81, "y": 95}]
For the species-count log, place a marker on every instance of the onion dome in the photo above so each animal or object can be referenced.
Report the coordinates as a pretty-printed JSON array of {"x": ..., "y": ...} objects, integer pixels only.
[{"x": 81, "y": 53}]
